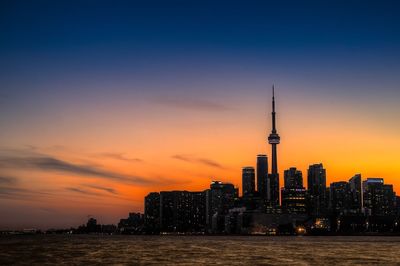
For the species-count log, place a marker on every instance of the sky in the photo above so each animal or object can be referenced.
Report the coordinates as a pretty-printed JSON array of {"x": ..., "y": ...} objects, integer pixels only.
[{"x": 102, "y": 102}]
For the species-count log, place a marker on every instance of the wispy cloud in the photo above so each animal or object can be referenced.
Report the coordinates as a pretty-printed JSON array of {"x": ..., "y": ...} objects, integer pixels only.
[
  {"x": 191, "y": 103},
  {"x": 49, "y": 163},
  {"x": 120, "y": 156},
  {"x": 194, "y": 159},
  {"x": 82, "y": 191},
  {"x": 10, "y": 192},
  {"x": 106, "y": 189},
  {"x": 8, "y": 180},
  {"x": 94, "y": 190},
  {"x": 184, "y": 158},
  {"x": 209, "y": 163}
]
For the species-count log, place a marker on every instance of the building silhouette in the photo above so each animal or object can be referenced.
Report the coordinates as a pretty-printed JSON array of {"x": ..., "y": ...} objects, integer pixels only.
[
  {"x": 356, "y": 193},
  {"x": 198, "y": 211},
  {"x": 379, "y": 198},
  {"x": 262, "y": 175},
  {"x": 182, "y": 211},
  {"x": 220, "y": 198},
  {"x": 152, "y": 213},
  {"x": 248, "y": 181},
  {"x": 131, "y": 225},
  {"x": 92, "y": 226},
  {"x": 293, "y": 178},
  {"x": 293, "y": 193},
  {"x": 339, "y": 197},
  {"x": 317, "y": 191}
]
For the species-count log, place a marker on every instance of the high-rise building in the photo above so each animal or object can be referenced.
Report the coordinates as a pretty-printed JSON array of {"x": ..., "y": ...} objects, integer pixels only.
[
  {"x": 273, "y": 178},
  {"x": 167, "y": 209},
  {"x": 248, "y": 181},
  {"x": 198, "y": 210},
  {"x": 317, "y": 189},
  {"x": 262, "y": 175},
  {"x": 220, "y": 198},
  {"x": 293, "y": 178},
  {"x": 293, "y": 193},
  {"x": 182, "y": 211},
  {"x": 379, "y": 198},
  {"x": 356, "y": 201},
  {"x": 340, "y": 197},
  {"x": 152, "y": 213}
]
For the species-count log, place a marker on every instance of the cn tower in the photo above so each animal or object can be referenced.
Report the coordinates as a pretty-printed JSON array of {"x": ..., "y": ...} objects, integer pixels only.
[{"x": 273, "y": 139}]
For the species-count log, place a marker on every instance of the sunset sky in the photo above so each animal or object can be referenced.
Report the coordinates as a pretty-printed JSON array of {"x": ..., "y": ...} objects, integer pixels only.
[{"x": 102, "y": 102}]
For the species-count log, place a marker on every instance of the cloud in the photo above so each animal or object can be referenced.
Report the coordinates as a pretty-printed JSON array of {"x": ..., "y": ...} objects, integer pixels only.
[
  {"x": 49, "y": 163},
  {"x": 120, "y": 156},
  {"x": 11, "y": 190},
  {"x": 191, "y": 103},
  {"x": 19, "y": 193},
  {"x": 184, "y": 158},
  {"x": 192, "y": 159},
  {"x": 7, "y": 180},
  {"x": 90, "y": 190},
  {"x": 82, "y": 191},
  {"x": 209, "y": 163},
  {"x": 106, "y": 189},
  {"x": 8, "y": 189}
]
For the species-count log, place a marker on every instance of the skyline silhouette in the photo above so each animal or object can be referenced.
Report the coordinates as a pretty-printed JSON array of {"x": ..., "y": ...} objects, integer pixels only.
[{"x": 357, "y": 206}]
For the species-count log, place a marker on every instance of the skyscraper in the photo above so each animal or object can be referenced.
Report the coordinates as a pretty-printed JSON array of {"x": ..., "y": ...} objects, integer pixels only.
[
  {"x": 340, "y": 197},
  {"x": 273, "y": 178},
  {"x": 379, "y": 198},
  {"x": 152, "y": 213},
  {"x": 262, "y": 175},
  {"x": 220, "y": 198},
  {"x": 248, "y": 181},
  {"x": 317, "y": 189},
  {"x": 293, "y": 194},
  {"x": 182, "y": 211},
  {"x": 356, "y": 193},
  {"x": 293, "y": 178}
]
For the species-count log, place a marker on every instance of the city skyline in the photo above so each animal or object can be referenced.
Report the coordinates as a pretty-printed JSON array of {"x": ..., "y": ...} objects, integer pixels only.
[
  {"x": 355, "y": 206},
  {"x": 96, "y": 114}
]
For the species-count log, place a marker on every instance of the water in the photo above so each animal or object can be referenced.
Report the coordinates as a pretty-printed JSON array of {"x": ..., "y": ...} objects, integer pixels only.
[{"x": 189, "y": 250}]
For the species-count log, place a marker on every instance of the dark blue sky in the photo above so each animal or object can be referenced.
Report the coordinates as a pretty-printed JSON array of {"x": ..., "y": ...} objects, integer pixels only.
[
  {"x": 167, "y": 28},
  {"x": 68, "y": 38},
  {"x": 330, "y": 42}
]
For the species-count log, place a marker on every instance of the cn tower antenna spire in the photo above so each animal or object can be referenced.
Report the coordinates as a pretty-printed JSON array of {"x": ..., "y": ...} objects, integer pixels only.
[
  {"x": 273, "y": 110},
  {"x": 273, "y": 91}
]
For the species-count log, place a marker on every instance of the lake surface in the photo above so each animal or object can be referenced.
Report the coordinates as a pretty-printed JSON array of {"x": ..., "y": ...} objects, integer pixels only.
[{"x": 189, "y": 250}]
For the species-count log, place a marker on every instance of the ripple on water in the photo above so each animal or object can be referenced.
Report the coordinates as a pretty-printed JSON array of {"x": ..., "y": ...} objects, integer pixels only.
[{"x": 189, "y": 250}]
